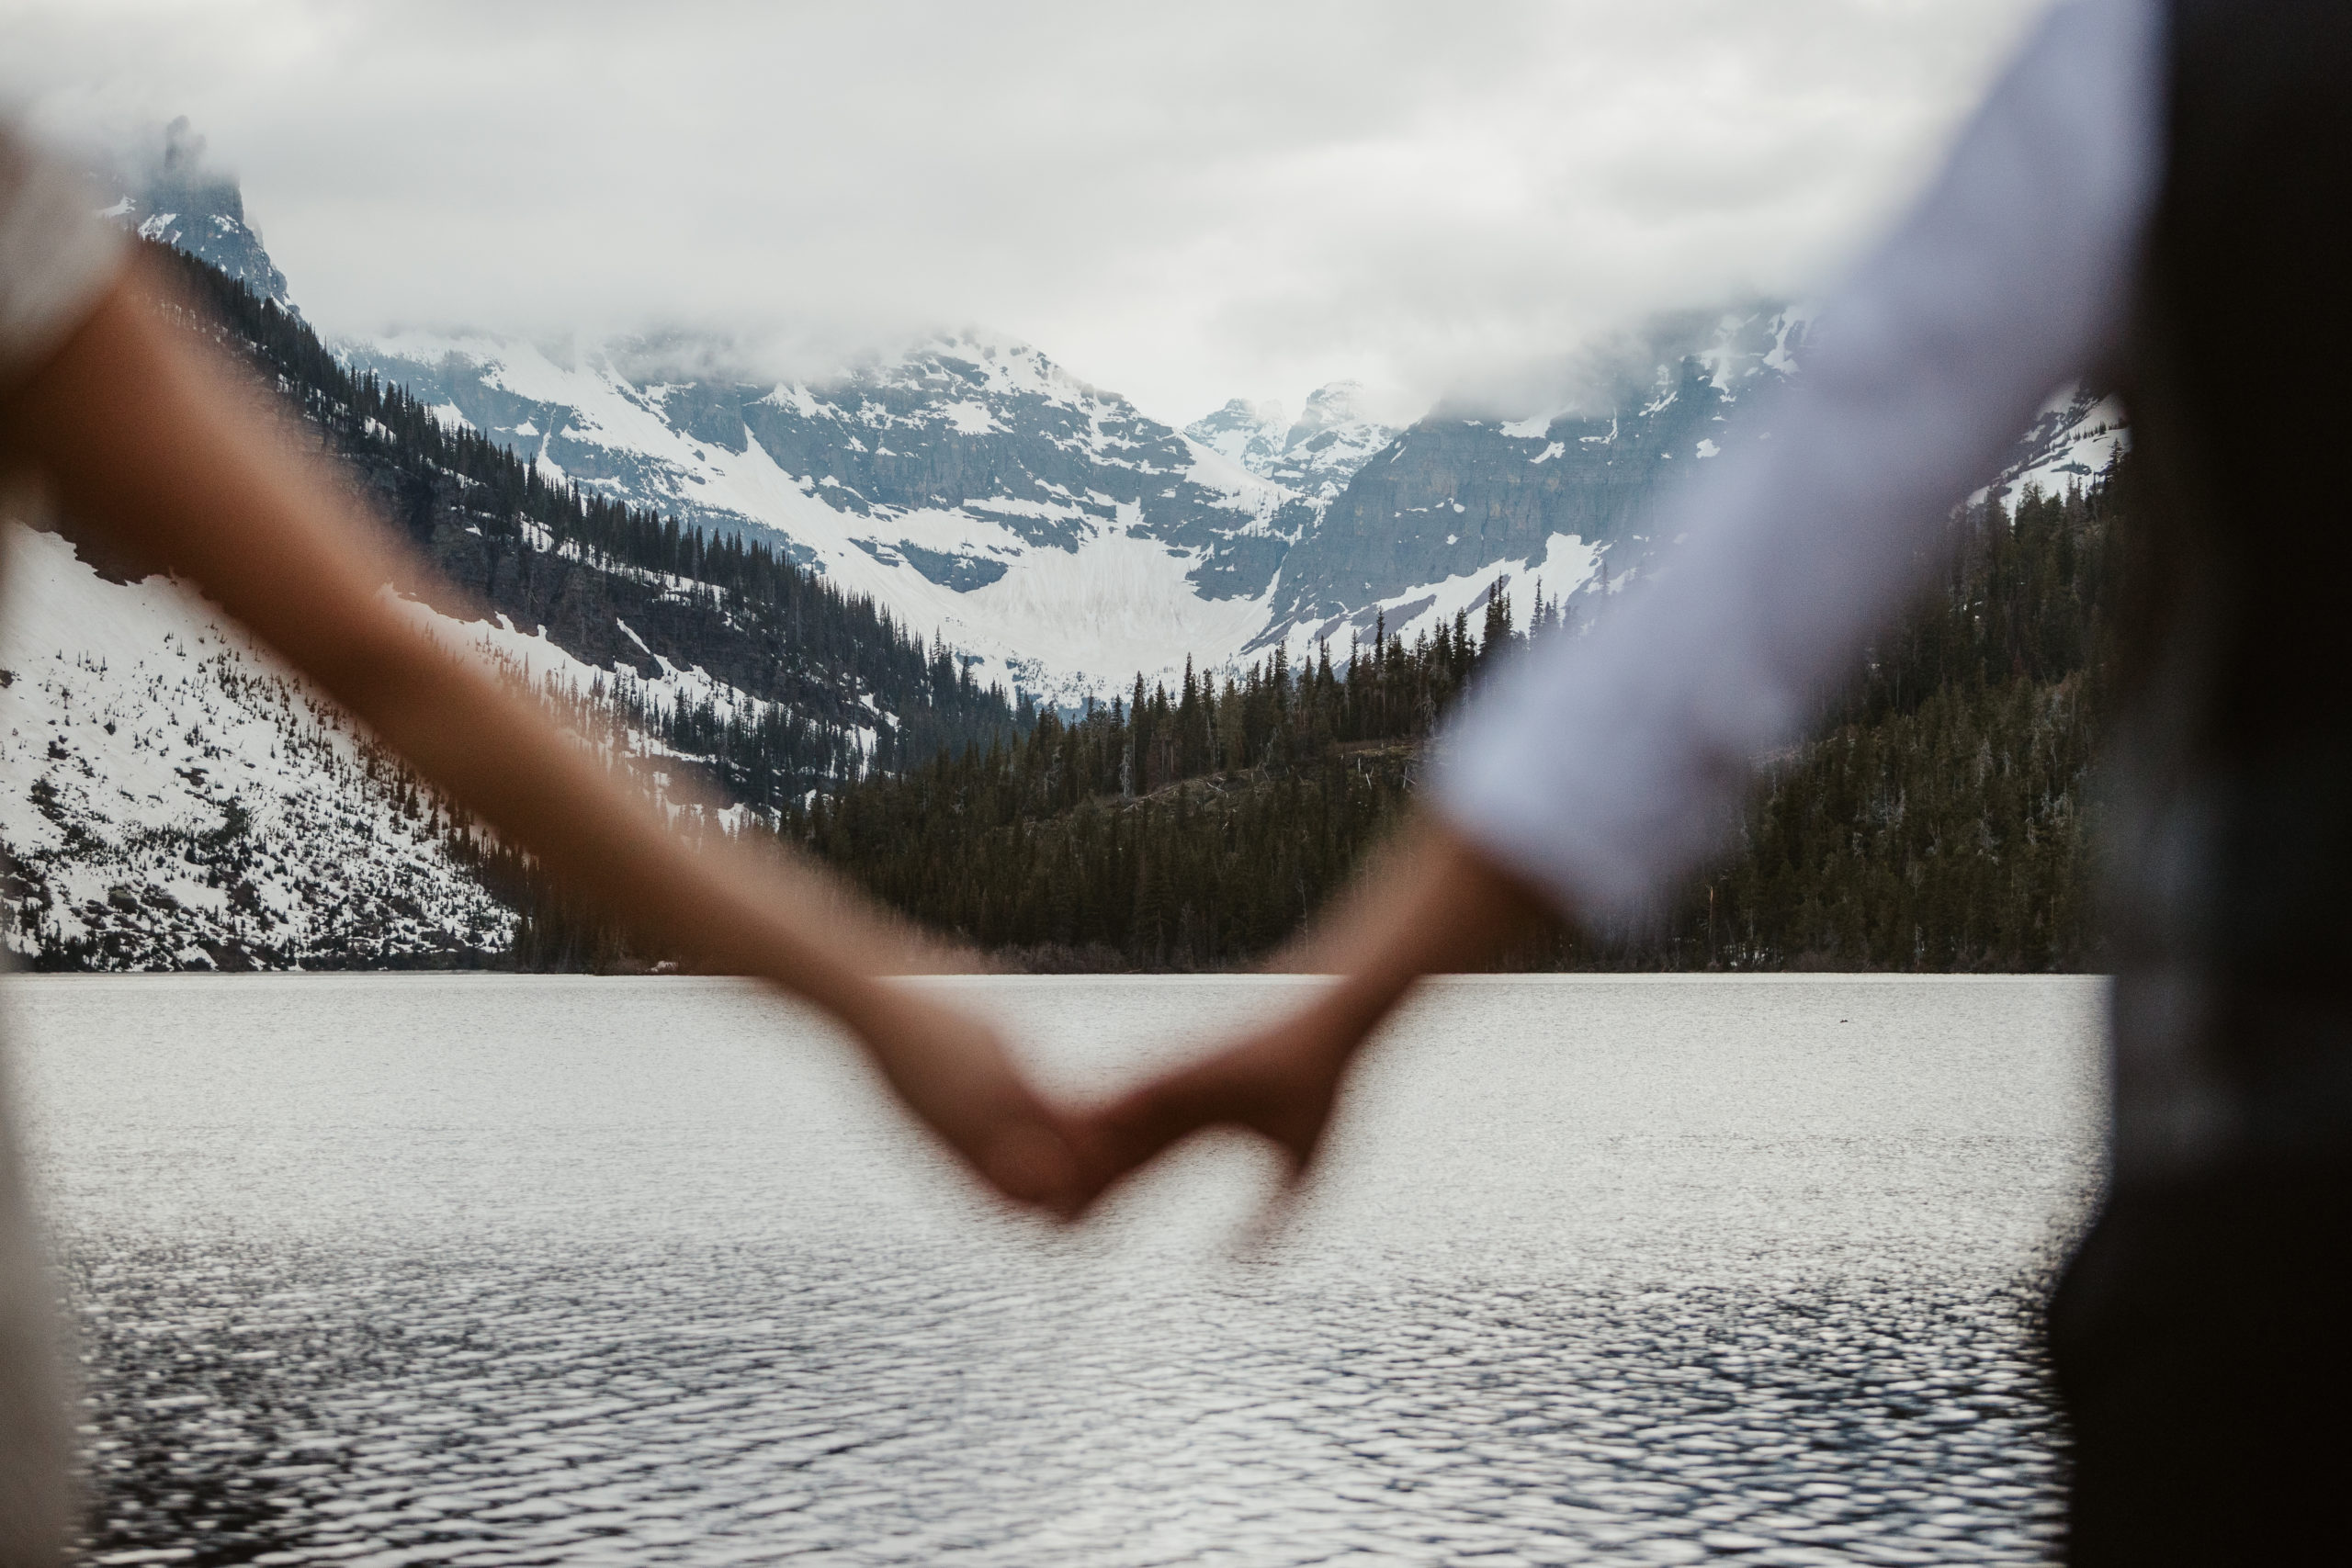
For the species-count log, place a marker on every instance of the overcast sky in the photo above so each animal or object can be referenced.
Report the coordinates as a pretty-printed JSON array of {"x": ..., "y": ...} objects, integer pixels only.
[{"x": 1185, "y": 202}]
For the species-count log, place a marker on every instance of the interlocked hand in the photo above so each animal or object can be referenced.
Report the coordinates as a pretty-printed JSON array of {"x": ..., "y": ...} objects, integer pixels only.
[
  {"x": 1280, "y": 1082},
  {"x": 954, "y": 1072}
]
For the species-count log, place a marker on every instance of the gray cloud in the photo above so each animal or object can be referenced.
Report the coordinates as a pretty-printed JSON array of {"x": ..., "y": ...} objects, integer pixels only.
[{"x": 1182, "y": 202}]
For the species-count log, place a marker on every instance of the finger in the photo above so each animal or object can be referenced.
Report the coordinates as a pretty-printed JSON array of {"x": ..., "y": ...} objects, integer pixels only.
[{"x": 1112, "y": 1140}]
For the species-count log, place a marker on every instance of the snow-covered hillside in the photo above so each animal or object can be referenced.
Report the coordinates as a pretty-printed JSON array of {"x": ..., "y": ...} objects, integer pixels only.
[
  {"x": 981, "y": 493},
  {"x": 178, "y": 800},
  {"x": 2073, "y": 439},
  {"x": 182, "y": 800}
]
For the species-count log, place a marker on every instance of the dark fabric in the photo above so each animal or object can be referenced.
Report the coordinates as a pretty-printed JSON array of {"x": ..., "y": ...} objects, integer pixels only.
[
  {"x": 2229, "y": 834},
  {"x": 2202, "y": 1340},
  {"x": 2202, "y": 1337},
  {"x": 2241, "y": 402}
]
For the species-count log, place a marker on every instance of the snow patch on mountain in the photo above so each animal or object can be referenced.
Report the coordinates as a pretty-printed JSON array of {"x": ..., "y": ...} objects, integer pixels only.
[
  {"x": 2075, "y": 438},
  {"x": 1568, "y": 567},
  {"x": 595, "y": 697}
]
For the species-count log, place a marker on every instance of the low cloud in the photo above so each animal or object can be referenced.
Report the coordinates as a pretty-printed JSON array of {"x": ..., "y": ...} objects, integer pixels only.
[{"x": 1182, "y": 203}]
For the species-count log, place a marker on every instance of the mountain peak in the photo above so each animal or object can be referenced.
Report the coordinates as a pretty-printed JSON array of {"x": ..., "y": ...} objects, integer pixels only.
[
  {"x": 168, "y": 192},
  {"x": 1243, "y": 432},
  {"x": 1316, "y": 455},
  {"x": 1336, "y": 403}
]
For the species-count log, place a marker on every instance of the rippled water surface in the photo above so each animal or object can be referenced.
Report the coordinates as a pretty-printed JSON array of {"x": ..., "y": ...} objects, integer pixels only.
[{"x": 477, "y": 1269}]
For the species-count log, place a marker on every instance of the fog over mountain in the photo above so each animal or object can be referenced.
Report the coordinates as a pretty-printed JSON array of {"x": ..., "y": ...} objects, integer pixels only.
[{"x": 1188, "y": 204}]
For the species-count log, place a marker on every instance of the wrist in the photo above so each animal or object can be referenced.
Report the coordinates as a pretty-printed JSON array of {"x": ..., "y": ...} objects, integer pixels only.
[
  {"x": 860, "y": 1000},
  {"x": 1348, "y": 1013}
]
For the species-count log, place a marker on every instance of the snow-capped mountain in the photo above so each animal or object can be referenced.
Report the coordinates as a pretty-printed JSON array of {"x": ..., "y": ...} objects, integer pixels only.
[
  {"x": 980, "y": 492},
  {"x": 992, "y": 500},
  {"x": 1456, "y": 508},
  {"x": 173, "y": 196},
  {"x": 1316, "y": 455},
  {"x": 1244, "y": 432}
]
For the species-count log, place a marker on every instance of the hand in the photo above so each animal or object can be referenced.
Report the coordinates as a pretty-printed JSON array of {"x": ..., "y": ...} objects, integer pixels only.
[
  {"x": 1433, "y": 902},
  {"x": 1281, "y": 1083},
  {"x": 954, "y": 1073}
]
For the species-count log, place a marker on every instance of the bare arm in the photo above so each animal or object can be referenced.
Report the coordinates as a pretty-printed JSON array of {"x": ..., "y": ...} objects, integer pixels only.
[{"x": 149, "y": 442}]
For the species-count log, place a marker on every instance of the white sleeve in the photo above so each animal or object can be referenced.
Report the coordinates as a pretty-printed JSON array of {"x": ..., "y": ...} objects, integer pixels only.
[
  {"x": 56, "y": 256},
  {"x": 1602, "y": 766}
]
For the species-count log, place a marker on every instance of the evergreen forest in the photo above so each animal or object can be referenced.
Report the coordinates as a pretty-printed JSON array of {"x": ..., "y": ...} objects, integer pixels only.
[{"x": 1936, "y": 821}]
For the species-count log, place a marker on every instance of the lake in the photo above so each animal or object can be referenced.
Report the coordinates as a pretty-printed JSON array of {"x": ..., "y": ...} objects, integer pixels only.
[{"x": 500, "y": 1270}]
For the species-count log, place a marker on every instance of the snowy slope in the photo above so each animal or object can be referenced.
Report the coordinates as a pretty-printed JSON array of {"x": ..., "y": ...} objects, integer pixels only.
[
  {"x": 180, "y": 801},
  {"x": 984, "y": 495},
  {"x": 2073, "y": 440}
]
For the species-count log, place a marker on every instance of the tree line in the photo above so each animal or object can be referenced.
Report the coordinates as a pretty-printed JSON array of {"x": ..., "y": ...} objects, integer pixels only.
[{"x": 1936, "y": 820}]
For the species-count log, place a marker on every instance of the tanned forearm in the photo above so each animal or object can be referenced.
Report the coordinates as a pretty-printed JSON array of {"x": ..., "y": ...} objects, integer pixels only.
[{"x": 1433, "y": 903}]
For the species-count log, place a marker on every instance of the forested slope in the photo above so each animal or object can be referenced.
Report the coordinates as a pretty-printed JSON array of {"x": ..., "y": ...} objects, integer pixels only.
[
  {"x": 1937, "y": 821},
  {"x": 178, "y": 800}
]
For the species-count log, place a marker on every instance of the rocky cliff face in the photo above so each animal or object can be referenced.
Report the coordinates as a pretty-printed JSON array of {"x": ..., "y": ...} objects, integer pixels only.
[
  {"x": 170, "y": 195},
  {"x": 985, "y": 495}
]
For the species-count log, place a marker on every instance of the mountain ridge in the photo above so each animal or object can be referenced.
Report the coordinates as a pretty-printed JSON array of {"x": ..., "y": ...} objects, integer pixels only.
[
  {"x": 189, "y": 803},
  {"x": 1064, "y": 541}
]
